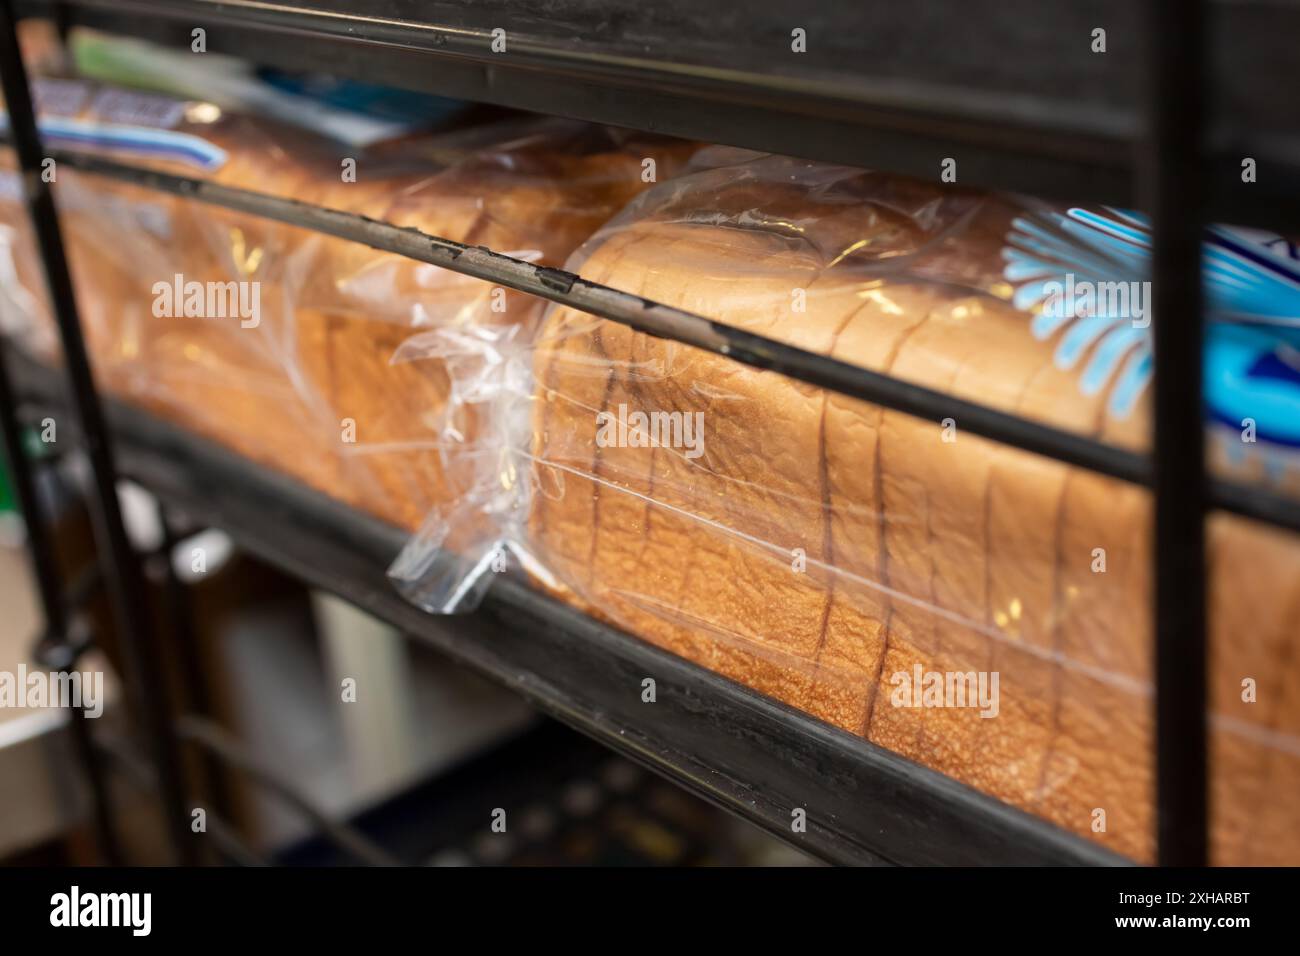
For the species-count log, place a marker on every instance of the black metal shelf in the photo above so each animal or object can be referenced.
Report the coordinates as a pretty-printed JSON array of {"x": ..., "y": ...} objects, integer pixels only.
[
  {"x": 742, "y": 751},
  {"x": 1009, "y": 88}
]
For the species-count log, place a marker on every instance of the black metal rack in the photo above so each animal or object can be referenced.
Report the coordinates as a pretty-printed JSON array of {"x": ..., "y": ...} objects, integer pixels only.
[{"x": 695, "y": 72}]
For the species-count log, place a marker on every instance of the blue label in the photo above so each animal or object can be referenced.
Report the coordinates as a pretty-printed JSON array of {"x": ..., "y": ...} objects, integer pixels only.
[{"x": 1084, "y": 275}]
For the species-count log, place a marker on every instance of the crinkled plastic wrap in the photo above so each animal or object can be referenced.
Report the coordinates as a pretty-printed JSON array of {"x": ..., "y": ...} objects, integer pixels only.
[
  {"x": 981, "y": 610},
  {"x": 280, "y": 342}
]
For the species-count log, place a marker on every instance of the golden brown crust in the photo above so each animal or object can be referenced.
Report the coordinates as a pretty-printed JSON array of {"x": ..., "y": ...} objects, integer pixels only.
[{"x": 961, "y": 556}]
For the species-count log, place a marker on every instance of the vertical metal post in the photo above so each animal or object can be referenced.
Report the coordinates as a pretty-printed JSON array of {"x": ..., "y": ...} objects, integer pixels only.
[
  {"x": 45, "y": 570},
  {"x": 121, "y": 568},
  {"x": 1172, "y": 191}
]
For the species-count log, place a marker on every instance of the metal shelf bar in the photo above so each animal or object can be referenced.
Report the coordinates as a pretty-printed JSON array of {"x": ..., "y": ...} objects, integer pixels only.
[
  {"x": 738, "y": 749},
  {"x": 121, "y": 570},
  {"x": 1046, "y": 115},
  {"x": 670, "y": 323}
]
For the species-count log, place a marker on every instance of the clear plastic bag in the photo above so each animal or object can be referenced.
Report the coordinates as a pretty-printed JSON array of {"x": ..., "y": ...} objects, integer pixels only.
[
  {"x": 278, "y": 341},
  {"x": 981, "y": 610}
]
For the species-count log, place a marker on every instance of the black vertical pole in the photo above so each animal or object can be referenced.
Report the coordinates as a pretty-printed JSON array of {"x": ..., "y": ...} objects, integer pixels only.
[
  {"x": 45, "y": 569},
  {"x": 121, "y": 568},
  {"x": 1172, "y": 192}
]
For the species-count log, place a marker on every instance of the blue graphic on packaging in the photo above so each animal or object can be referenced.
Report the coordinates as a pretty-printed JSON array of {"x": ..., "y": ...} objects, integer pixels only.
[{"x": 1084, "y": 275}]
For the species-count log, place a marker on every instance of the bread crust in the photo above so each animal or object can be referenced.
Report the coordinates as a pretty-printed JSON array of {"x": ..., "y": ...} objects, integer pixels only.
[{"x": 961, "y": 556}]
